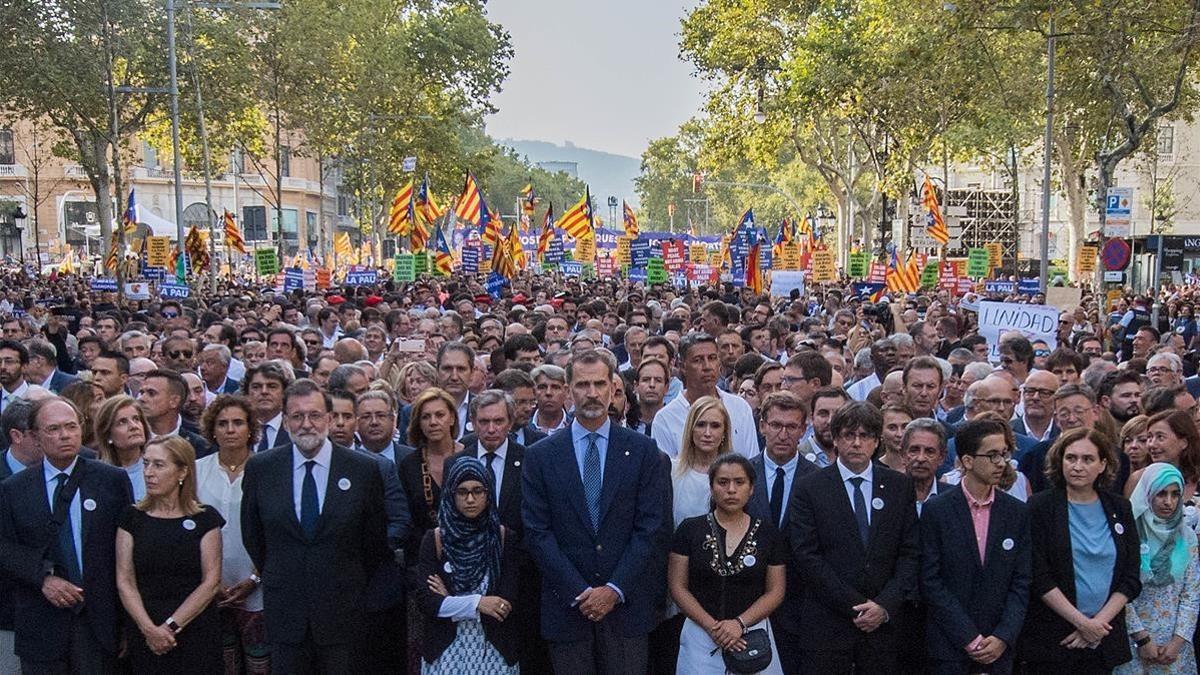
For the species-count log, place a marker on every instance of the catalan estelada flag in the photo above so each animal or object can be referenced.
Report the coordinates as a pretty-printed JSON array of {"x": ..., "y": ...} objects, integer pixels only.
[
  {"x": 631, "y": 223},
  {"x": 904, "y": 278},
  {"x": 502, "y": 259},
  {"x": 490, "y": 226},
  {"x": 129, "y": 219},
  {"x": 424, "y": 204},
  {"x": 515, "y": 251},
  {"x": 110, "y": 262},
  {"x": 935, "y": 225},
  {"x": 342, "y": 246},
  {"x": 400, "y": 218},
  {"x": 469, "y": 202},
  {"x": 577, "y": 220},
  {"x": 443, "y": 260},
  {"x": 754, "y": 275},
  {"x": 529, "y": 199},
  {"x": 233, "y": 236},
  {"x": 547, "y": 233}
]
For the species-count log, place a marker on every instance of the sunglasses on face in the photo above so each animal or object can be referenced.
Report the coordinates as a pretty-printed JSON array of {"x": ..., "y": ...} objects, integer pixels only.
[{"x": 176, "y": 354}]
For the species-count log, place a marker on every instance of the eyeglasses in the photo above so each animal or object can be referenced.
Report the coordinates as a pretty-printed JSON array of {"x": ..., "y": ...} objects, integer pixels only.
[
  {"x": 1159, "y": 369},
  {"x": 997, "y": 458},
  {"x": 1036, "y": 392},
  {"x": 312, "y": 417},
  {"x": 178, "y": 354},
  {"x": 851, "y": 436},
  {"x": 779, "y": 426},
  {"x": 473, "y": 493}
]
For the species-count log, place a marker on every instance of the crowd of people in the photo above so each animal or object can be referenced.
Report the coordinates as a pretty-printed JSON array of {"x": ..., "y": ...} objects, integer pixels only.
[{"x": 593, "y": 477}]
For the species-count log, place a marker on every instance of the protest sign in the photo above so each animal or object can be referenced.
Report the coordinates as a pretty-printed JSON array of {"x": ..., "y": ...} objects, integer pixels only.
[
  {"x": 656, "y": 272},
  {"x": 403, "y": 270},
  {"x": 783, "y": 282},
  {"x": 358, "y": 276},
  {"x": 1035, "y": 322},
  {"x": 824, "y": 267},
  {"x": 1065, "y": 298},
  {"x": 978, "y": 264},
  {"x": 265, "y": 262},
  {"x": 293, "y": 279},
  {"x": 104, "y": 284},
  {"x": 158, "y": 251},
  {"x": 859, "y": 263},
  {"x": 170, "y": 290}
]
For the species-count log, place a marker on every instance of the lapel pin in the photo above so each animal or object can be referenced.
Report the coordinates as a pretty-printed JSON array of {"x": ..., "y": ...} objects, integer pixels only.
[
  {"x": 1007, "y": 544},
  {"x": 877, "y": 503},
  {"x": 89, "y": 504},
  {"x": 749, "y": 560},
  {"x": 812, "y": 457},
  {"x": 1119, "y": 528},
  {"x": 626, "y": 453},
  {"x": 344, "y": 484},
  {"x": 517, "y": 463},
  {"x": 448, "y": 567},
  {"x": 189, "y": 524}
]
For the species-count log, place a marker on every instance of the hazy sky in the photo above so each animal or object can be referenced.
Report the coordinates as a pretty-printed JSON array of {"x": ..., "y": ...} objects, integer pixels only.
[{"x": 605, "y": 75}]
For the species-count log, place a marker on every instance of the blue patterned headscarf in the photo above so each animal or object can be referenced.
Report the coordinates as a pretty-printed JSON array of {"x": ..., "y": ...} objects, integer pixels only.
[
  {"x": 471, "y": 545},
  {"x": 1167, "y": 543}
]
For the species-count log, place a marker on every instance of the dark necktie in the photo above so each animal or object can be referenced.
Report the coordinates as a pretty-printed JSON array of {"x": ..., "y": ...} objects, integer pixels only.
[
  {"x": 262, "y": 442},
  {"x": 591, "y": 479},
  {"x": 490, "y": 457},
  {"x": 309, "y": 507},
  {"x": 66, "y": 535},
  {"x": 860, "y": 509},
  {"x": 777, "y": 496}
]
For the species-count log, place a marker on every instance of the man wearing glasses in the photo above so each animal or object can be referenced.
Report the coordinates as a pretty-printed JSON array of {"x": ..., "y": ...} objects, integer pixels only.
[
  {"x": 778, "y": 469},
  {"x": 976, "y": 587},
  {"x": 853, "y": 532},
  {"x": 1037, "y": 395},
  {"x": 1074, "y": 407}
]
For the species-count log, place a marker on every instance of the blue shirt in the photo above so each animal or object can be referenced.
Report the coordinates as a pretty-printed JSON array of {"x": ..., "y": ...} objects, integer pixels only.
[
  {"x": 13, "y": 465},
  {"x": 789, "y": 475},
  {"x": 580, "y": 442},
  {"x": 1094, "y": 554},
  {"x": 76, "y": 514},
  {"x": 138, "y": 479}
]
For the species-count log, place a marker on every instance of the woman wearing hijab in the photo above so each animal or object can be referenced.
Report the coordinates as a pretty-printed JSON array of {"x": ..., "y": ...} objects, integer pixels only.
[
  {"x": 1162, "y": 619},
  {"x": 468, "y": 564}
]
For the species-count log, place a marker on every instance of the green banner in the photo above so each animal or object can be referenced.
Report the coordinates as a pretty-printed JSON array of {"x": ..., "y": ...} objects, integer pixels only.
[
  {"x": 656, "y": 272},
  {"x": 978, "y": 263},
  {"x": 860, "y": 263},
  {"x": 266, "y": 262},
  {"x": 929, "y": 277},
  {"x": 403, "y": 271},
  {"x": 421, "y": 262}
]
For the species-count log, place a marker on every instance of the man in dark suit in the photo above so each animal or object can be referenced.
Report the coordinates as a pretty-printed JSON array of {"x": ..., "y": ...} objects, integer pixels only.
[
  {"x": 43, "y": 366},
  {"x": 264, "y": 386},
  {"x": 67, "y": 612},
  {"x": 161, "y": 399},
  {"x": 777, "y": 471},
  {"x": 854, "y": 539},
  {"x": 313, "y": 522},
  {"x": 593, "y": 506},
  {"x": 976, "y": 560},
  {"x": 23, "y": 451}
]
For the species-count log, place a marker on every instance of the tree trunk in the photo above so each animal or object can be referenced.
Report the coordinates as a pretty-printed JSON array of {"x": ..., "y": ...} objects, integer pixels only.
[
  {"x": 93, "y": 157},
  {"x": 1074, "y": 184}
]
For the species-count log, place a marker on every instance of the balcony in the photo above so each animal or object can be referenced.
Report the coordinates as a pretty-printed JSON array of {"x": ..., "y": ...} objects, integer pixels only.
[
  {"x": 75, "y": 171},
  {"x": 12, "y": 171}
]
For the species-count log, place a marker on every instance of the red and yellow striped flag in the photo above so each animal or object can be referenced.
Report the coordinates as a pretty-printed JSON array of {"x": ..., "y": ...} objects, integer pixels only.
[
  {"x": 547, "y": 234},
  {"x": 935, "y": 225},
  {"x": 400, "y": 219},
  {"x": 233, "y": 236},
  {"x": 469, "y": 202},
  {"x": 577, "y": 220},
  {"x": 631, "y": 222},
  {"x": 110, "y": 262}
]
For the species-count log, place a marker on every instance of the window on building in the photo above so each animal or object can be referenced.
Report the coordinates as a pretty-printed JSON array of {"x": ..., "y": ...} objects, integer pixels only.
[
  {"x": 237, "y": 162},
  {"x": 254, "y": 223},
  {"x": 343, "y": 202},
  {"x": 285, "y": 161},
  {"x": 7, "y": 153},
  {"x": 1166, "y": 140},
  {"x": 310, "y": 227},
  {"x": 291, "y": 236},
  {"x": 149, "y": 156}
]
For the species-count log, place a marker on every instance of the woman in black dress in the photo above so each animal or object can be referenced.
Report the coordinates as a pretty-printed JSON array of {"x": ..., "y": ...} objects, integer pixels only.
[
  {"x": 726, "y": 572},
  {"x": 169, "y": 566}
]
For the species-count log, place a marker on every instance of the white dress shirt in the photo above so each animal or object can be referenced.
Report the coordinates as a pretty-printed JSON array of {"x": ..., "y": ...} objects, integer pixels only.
[
  {"x": 7, "y": 396},
  {"x": 668, "y": 430},
  {"x": 859, "y": 390},
  {"x": 497, "y": 465},
  {"x": 271, "y": 429},
  {"x": 867, "y": 475},
  {"x": 690, "y": 492},
  {"x": 320, "y": 474}
]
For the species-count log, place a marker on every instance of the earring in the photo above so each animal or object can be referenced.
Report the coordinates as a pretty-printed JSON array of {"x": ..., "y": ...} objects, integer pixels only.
[{"x": 180, "y": 482}]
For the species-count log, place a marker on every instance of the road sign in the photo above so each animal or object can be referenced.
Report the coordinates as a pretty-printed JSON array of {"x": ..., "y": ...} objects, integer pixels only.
[
  {"x": 1115, "y": 255},
  {"x": 1118, "y": 211}
]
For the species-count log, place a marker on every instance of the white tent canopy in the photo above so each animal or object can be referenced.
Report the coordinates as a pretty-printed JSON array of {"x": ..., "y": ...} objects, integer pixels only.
[{"x": 158, "y": 226}]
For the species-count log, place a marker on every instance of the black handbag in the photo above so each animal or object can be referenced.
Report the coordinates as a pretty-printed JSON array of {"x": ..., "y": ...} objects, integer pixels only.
[{"x": 757, "y": 655}]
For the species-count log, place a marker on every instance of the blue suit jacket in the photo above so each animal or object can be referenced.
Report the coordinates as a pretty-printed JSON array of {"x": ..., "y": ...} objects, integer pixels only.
[
  {"x": 42, "y": 630},
  {"x": 573, "y": 557},
  {"x": 231, "y": 386},
  {"x": 967, "y": 598},
  {"x": 59, "y": 381}
]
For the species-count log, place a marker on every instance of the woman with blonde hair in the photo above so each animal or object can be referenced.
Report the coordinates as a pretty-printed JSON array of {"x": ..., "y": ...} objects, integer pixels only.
[
  {"x": 121, "y": 431},
  {"x": 1134, "y": 439},
  {"x": 412, "y": 379},
  {"x": 169, "y": 566},
  {"x": 710, "y": 436}
]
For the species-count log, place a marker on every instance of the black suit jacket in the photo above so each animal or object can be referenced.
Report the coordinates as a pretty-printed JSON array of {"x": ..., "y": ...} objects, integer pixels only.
[
  {"x": 42, "y": 630},
  {"x": 839, "y": 572},
  {"x": 59, "y": 380},
  {"x": 510, "y": 488},
  {"x": 964, "y": 597},
  {"x": 788, "y": 613},
  {"x": 1054, "y": 567},
  {"x": 314, "y": 589}
]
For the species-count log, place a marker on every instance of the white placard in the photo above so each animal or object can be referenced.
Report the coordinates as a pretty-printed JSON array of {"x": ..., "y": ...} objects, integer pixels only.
[
  {"x": 783, "y": 281},
  {"x": 1035, "y": 322}
]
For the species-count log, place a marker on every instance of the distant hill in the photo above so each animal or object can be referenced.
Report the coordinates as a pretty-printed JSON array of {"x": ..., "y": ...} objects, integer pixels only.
[{"x": 606, "y": 173}]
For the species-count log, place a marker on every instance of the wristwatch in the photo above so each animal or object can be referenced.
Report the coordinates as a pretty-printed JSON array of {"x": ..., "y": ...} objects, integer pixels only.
[
  {"x": 175, "y": 628},
  {"x": 1143, "y": 642},
  {"x": 256, "y": 579}
]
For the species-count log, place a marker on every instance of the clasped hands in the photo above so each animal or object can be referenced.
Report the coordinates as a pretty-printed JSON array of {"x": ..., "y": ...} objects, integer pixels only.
[
  {"x": 595, "y": 603},
  {"x": 1087, "y": 634}
]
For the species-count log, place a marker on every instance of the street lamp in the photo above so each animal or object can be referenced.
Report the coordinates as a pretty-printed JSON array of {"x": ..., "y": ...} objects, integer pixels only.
[
  {"x": 19, "y": 215},
  {"x": 760, "y": 114}
]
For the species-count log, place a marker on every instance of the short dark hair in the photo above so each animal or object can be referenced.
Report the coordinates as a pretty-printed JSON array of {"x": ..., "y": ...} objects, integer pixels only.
[
  {"x": 1065, "y": 356},
  {"x": 658, "y": 341},
  {"x": 971, "y": 434},
  {"x": 270, "y": 369},
  {"x": 513, "y": 378},
  {"x": 174, "y": 380},
  {"x": 1118, "y": 377},
  {"x": 718, "y": 309},
  {"x": 208, "y": 421},
  {"x": 783, "y": 400},
  {"x": 1021, "y": 348},
  {"x": 1153, "y": 331},
  {"x": 20, "y": 349},
  {"x": 1158, "y": 399},
  {"x": 460, "y": 347},
  {"x": 306, "y": 387},
  {"x": 16, "y": 416},
  {"x": 923, "y": 363},
  {"x": 340, "y": 376},
  {"x": 812, "y": 365},
  {"x": 121, "y": 360},
  {"x": 730, "y": 458},
  {"x": 831, "y": 392},
  {"x": 522, "y": 342},
  {"x": 857, "y": 415}
]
